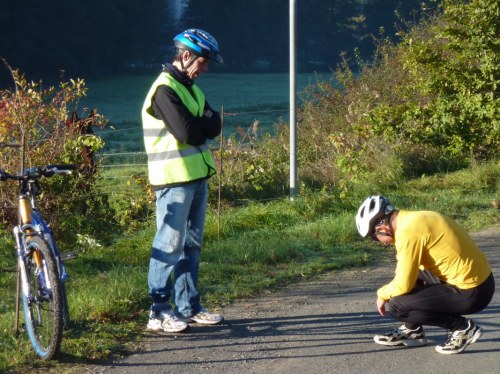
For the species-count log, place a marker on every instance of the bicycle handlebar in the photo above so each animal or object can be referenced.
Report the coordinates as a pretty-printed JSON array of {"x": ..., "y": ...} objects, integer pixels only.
[{"x": 37, "y": 172}]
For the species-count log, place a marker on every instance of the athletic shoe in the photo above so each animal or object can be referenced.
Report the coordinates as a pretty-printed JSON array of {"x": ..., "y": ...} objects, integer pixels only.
[
  {"x": 458, "y": 340},
  {"x": 166, "y": 321},
  {"x": 204, "y": 317},
  {"x": 403, "y": 336}
]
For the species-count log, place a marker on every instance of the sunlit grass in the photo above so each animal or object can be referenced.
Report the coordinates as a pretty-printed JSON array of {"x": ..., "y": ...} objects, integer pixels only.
[{"x": 260, "y": 248}]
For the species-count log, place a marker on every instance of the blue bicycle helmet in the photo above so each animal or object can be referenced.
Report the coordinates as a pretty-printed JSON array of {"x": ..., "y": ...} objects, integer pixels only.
[{"x": 200, "y": 42}]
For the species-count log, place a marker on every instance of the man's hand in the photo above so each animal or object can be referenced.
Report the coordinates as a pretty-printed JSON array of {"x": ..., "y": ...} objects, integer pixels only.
[{"x": 381, "y": 306}]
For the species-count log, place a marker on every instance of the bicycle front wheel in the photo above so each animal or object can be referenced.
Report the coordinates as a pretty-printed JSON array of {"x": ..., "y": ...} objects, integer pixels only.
[{"x": 42, "y": 299}]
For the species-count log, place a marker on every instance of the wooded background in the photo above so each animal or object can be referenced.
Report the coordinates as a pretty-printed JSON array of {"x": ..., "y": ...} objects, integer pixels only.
[{"x": 89, "y": 38}]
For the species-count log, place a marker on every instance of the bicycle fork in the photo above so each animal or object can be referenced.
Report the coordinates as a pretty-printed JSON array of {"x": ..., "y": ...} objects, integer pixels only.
[
  {"x": 21, "y": 273},
  {"x": 22, "y": 281},
  {"x": 23, "y": 284}
]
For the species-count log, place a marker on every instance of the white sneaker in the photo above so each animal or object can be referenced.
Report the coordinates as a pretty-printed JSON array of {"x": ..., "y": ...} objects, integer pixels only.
[
  {"x": 204, "y": 317},
  {"x": 403, "y": 336},
  {"x": 166, "y": 321},
  {"x": 458, "y": 340}
]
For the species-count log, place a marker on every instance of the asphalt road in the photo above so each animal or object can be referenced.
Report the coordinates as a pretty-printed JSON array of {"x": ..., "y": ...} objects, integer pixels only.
[{"x": 322, "y": 326}]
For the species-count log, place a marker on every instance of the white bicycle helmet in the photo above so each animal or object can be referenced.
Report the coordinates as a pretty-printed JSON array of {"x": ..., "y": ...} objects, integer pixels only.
[{"x": 372, "y": 211}]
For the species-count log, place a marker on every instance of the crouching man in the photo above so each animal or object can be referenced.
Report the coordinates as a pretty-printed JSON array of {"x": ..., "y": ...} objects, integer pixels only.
[{"x": 440, "y": 275}]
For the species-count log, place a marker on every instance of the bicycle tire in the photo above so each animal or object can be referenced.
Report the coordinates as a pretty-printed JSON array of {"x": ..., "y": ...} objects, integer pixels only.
[
  {"x": 64, "y": 297},
  {"x": 43, "y": 308},
  {"x": 47, "y": 236},
  {"x": 65, "y": 308}
]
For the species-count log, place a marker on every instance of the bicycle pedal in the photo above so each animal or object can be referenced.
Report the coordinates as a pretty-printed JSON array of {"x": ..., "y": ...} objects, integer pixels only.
[{"x": 69, "y": 256}]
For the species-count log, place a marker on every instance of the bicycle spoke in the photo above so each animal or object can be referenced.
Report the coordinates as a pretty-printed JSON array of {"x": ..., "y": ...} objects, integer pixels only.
[{"x": 43, "y": 309}]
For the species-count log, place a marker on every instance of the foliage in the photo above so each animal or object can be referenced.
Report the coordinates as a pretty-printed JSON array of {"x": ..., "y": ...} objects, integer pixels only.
[
  {"x": 132, "y": 212},
  {"x": 450, "y": 99},
  {"x": 250, "y": 166},
  {"x": 39, "y": 118},
  {"x": 425, "y": 105}
]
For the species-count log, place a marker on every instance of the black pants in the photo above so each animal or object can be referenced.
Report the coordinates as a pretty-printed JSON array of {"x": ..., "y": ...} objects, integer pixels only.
[{"x": 439, "y": 304}]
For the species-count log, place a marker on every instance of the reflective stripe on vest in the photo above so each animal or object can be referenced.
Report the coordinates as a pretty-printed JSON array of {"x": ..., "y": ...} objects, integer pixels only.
[{"x": 170, "y": 161}]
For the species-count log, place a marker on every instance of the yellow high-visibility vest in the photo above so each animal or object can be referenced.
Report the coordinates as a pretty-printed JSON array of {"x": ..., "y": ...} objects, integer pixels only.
[{"x": 169, "y": 160}]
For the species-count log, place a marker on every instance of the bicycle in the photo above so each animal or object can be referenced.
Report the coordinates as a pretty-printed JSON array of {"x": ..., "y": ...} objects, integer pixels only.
[{"x": 41, "y": 270}]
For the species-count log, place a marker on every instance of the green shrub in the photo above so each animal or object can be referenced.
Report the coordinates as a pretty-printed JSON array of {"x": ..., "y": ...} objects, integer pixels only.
[
  {"x": 40, "y": 117},
  {"x": 428, "y": 104},
  {"x": 251, "y": 166},
  {"x": 448, "y": 100}
]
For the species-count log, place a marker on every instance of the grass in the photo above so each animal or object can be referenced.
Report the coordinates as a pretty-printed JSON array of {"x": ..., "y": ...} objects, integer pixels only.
[
  {"x": 256, "y": 249},
  {"x": 244, "y": 97},
  {"x": 236, "y": 92}
]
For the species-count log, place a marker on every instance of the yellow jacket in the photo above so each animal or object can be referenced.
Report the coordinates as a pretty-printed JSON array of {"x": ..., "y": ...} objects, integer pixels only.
[{"x": 428, "y": 240}]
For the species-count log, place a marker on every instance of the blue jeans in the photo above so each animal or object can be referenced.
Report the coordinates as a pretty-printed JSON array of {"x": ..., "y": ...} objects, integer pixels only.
[{"x": 174, "y": 263}]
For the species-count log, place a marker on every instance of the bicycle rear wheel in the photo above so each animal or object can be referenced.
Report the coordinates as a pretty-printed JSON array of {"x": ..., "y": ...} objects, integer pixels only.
[{"x": 42, "y": 299}]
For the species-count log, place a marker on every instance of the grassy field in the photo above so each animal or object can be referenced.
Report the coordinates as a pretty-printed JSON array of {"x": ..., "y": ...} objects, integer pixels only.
[
  {"x": 246, "y": 98},
  {"x": 121, "y": 99},
  {"x": 256, "y": 249}
]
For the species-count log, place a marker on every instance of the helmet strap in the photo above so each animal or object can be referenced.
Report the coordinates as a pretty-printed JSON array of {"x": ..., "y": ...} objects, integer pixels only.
[
  {"x": 389, "y": 221},
  {"x": 192, "y": 58},
  {"x": 381, "y": 233}
]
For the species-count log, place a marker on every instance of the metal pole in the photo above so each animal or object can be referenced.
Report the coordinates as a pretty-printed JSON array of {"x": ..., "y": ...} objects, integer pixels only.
[{"x": 293, "y": 116}]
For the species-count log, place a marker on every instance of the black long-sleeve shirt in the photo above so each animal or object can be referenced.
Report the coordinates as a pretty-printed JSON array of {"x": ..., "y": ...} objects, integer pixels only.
[{"x": 183, "y": 125}]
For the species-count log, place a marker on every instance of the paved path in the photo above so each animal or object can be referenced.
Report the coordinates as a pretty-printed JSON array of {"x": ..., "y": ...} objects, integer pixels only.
[{"x": 323, "y": 326}]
